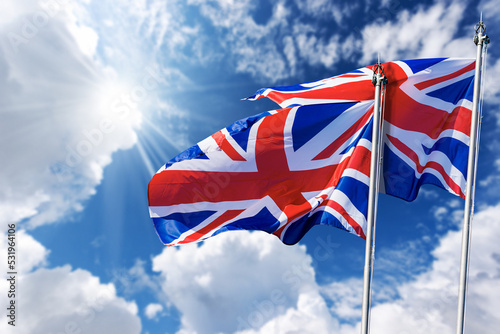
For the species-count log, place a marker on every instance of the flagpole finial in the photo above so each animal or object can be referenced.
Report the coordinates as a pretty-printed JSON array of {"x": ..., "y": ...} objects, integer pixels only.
[
  {"x": 480, "y": 36},
  {"x": 378, "y": 73}
]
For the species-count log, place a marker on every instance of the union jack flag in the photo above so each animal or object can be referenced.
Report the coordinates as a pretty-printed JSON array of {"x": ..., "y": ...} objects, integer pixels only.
[
  {"x": 426, "y": 120},
  {"x": 286, "y": 170}
]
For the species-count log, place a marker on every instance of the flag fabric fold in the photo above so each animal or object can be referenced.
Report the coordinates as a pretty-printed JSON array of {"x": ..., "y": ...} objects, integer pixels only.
[{"x": 286, "y": 170}]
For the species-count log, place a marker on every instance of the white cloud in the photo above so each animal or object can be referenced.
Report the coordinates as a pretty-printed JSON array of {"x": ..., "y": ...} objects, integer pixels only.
[
  {"x": 490, "y": 9},
  {"x": 11, "y": 10},
  {"x": 53, "y": 300},
  {"x": 310, "y": 315},
  {"x": 491, "y": 85},
  {"x": 237, "y": 281},
  {"x": 257, "y": 269},
  {"x": 60, "y": 300},
  {"x": 327, "y": 9},
  {"x": 152, "y": 310},
  {"x": 428, "y": 193},
  {"x": 400, "y": 262},
  {"x": 135, "y": 280},
  {"x": 290, "y": 53},
  {"x": 427, "y": 33},
  {"x": 252, "y": 45},
  {"x": 32, "y": 253},
  {"x": 86, "y": 38},
  {"x": 63, "y": 112},
  {"x": 164, "y": 23},
  {"x": 314, "y": 6},
  {"x": 440, "y": 212},
  {"x": 63, "y": 115},
  {"x": 346, "y": 297},
  {"x": 449, "y": 216},
  {"x": 316, "y": 51},
  {"x": 275, "y": 49}
]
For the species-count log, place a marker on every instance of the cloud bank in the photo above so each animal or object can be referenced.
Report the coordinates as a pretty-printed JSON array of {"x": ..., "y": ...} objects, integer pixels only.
[
  {"x": 61, "y": 300},
  {"x": 250, "y": 283},
  {"x": 63, "y": 112}
]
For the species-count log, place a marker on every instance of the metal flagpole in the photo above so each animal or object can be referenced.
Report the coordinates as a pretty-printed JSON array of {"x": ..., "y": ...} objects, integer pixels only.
[
  {"x": 378, "y": 80},
  {"x": 481, "y": 39}
]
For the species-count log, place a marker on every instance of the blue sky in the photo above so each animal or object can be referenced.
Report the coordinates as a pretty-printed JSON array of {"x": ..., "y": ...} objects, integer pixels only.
[{"x": 98, "y": 95}]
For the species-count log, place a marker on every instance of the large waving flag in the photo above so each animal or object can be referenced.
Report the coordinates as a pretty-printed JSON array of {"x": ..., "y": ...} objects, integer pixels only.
[
  {"x": 426, "y": 119},
  {"x": 287, "y": 170},
  {"x": 281, "y": 172}
]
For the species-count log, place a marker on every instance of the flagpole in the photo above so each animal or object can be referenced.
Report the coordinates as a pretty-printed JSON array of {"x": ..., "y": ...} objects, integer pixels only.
[
  {"x": 378, "y": 80},
  {"x": 481, "y": 39}
]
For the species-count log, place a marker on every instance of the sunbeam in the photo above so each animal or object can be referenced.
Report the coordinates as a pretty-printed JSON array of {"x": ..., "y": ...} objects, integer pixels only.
[{"x": 145, "y": 159}]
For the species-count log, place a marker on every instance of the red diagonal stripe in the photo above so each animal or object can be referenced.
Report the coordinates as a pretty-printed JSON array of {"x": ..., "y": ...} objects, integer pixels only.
[
  {"x": 428, "y": 83},
  {"x": 334, "y": 146},
  {"x": 197, "y": 235},
  {"x": 430, "y": 164},
  {"x": 359, "y": 160},
  {"x": 340, "y": 209},
  {"x": 224, "y": 145}
]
